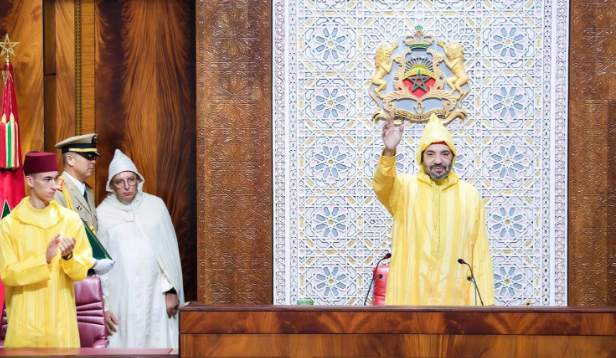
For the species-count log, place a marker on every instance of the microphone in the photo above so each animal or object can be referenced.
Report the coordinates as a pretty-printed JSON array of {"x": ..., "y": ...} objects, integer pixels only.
[
  {"x": 471, "y": 278},
  {"x": 388, "y": 255},
  {"x": 380, "y": 276}
]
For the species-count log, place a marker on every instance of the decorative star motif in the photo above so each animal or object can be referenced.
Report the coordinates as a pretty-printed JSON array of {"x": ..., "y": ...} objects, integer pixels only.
[
  {"x": 419, "y": 81},
  {"x": 7, "y": 46}
]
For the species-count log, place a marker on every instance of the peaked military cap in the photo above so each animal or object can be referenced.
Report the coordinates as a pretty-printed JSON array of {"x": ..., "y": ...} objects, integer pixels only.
[{"x": 84, "y": 144}]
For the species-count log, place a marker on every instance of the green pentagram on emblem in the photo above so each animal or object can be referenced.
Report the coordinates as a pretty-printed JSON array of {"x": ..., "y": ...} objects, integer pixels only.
[{"x": 419, "y": 81}]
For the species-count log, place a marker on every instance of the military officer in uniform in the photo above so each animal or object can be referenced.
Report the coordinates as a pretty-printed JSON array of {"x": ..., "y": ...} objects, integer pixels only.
[{"x": 79, "y": 156}]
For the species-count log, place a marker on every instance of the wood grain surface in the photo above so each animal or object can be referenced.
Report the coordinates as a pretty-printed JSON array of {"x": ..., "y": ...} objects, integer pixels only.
[
  {"x": 351, "y": 331},
  {"x": 145, "y": 105},
  {"x": 390, "y": 320},
  {"x": 592, "y": 154},
  {"x": 234, "y": 146},
  {"x": 62, "y": 124},
  {"x": 394, "y": 345},
  {"x": 23, "y": 21},
  {"x": 65, "y": 38}
]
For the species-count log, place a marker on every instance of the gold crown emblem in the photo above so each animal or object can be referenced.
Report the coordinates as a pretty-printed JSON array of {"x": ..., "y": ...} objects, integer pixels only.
[{"x": 418, "y": 40}]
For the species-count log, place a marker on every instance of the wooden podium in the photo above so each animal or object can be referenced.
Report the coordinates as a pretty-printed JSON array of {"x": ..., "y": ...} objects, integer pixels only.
[{"x": 382, "y": 331}]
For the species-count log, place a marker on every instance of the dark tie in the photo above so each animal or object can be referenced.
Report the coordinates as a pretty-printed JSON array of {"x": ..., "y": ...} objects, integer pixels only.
[{"x": 85, "y": 195}]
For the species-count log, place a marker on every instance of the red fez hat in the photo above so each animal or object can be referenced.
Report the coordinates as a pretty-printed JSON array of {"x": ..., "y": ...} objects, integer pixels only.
[{"x": 40, "y": 162}]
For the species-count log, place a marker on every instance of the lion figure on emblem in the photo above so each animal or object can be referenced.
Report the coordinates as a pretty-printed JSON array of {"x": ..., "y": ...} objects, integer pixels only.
[
  {"x": 383, "y": 65},
  {"x": 455, "y": 63}
]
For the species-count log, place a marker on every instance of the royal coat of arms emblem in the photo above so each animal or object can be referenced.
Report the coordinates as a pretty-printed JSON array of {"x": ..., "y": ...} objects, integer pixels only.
[{"x": 414, "y": 79}]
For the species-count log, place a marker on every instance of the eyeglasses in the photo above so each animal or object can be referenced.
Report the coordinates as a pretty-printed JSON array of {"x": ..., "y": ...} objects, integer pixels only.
[{"x": 120, "y": 183}]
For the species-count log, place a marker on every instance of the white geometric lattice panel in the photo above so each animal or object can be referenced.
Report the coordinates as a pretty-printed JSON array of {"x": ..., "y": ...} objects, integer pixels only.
[{"x": 329, "y": 227}]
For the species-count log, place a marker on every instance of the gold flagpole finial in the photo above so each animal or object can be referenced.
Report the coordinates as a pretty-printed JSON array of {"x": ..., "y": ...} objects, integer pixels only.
[{"x": 7, "y": 47}]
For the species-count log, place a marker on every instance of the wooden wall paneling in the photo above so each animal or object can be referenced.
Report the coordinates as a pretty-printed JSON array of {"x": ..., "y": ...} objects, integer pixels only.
[
  {"x": 393, "y": 345},
  {"x": 390, "y": 331},
  {"x": 234, "y": 163},
  {"x": 23, "y": 21},
  {"x": 69, "y": 71},
  {"x": 610, "y": 252},
  {"x": 50, "y": 115},
  {"x": 175, "y": 128},
  {"x": 592, "y": 156},
  {"x": 139, "y": 45},
  {"x": 60, "y": 123},
  {"x": 49, "y": 37},
  {"x": 145, "y": 105},
  {"x": 87, "y": 35},
  {"x": 109, "y": 86},
  {"x": 221, "y": 319},
  {"x": 49, "y": 63}
]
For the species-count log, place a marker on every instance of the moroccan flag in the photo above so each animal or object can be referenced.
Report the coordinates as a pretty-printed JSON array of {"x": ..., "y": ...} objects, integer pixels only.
[
  {"x": 11, "y": 172},
  {"x": 10, "y": 150},
  {"x": 12, "y": 188}
]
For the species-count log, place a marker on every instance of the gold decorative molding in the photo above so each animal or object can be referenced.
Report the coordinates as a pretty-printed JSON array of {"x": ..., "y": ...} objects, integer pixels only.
[{"x": 77, "y": 67}]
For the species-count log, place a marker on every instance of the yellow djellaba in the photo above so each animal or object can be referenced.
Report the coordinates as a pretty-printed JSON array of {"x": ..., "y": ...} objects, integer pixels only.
[
  {"x": 40, "y": 298},
  {"x": 436, "y": 222}
]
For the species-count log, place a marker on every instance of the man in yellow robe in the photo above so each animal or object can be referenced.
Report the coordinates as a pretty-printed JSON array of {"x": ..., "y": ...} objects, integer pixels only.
[
  {"x": 438, "y": 219},
  {"x": 43, "y": 250}
]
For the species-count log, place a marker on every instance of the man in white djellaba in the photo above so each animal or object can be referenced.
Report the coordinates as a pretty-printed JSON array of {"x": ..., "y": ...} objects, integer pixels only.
[{"x": 145, "y": 287}]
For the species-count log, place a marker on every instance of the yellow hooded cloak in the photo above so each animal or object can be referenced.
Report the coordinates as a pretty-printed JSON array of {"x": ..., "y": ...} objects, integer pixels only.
[
  {"x": 40, "y": 297},
  {"x": 435, "y": 224}
]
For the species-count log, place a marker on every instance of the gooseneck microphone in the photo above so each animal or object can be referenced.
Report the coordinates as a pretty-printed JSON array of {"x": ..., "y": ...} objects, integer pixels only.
[
  {"x": 388, "y": 255},
  {"x": 380, "y": 276},
  {"x": 471, "y": 278}
]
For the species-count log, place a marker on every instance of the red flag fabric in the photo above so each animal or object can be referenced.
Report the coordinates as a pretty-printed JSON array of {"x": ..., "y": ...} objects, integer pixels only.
[{"x": 12, "y": 188}]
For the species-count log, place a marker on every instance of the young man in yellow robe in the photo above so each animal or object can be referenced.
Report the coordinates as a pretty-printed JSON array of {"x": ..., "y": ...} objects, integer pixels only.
[
  {"x": 43, "y": 250},
  {"x": 438, "y": 219}
]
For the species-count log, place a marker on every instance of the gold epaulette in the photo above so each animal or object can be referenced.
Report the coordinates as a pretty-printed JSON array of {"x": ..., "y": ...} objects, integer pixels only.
[{"x": 61, "y": 183}]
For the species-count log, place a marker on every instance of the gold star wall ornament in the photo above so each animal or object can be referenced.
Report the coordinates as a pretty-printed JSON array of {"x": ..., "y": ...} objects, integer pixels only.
[{"x": 7, "y": 47}]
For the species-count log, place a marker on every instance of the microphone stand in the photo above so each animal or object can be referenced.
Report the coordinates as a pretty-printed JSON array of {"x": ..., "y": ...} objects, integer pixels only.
[
  {"x": 472, "y": 279},
  {"x": 476, "y": 290}
]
